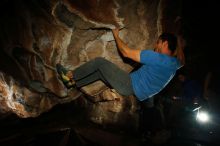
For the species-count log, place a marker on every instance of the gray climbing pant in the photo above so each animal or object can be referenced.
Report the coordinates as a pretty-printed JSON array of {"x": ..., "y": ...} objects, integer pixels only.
[{"x": 106, "y": 71}]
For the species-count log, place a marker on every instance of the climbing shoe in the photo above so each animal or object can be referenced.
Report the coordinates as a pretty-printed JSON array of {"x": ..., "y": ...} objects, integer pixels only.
[{"x": 67, "y": 81}]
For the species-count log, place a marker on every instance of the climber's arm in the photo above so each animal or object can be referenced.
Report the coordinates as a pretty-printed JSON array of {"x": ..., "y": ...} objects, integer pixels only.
[{"x": 133, "y": 54}]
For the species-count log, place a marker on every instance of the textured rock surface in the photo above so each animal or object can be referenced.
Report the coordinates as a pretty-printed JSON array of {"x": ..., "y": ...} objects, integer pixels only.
[{"x": 35, "y": 35}]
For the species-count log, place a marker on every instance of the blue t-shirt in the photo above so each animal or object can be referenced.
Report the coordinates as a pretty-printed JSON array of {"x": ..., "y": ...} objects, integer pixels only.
[{"x": 156, "y": 71}]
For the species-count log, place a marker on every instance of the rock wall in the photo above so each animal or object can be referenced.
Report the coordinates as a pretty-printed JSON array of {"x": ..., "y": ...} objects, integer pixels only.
[{"x": 37, "y": 34}]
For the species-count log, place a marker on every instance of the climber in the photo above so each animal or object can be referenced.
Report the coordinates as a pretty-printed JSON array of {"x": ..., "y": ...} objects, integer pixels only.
[{"x": 158, "y": 66}]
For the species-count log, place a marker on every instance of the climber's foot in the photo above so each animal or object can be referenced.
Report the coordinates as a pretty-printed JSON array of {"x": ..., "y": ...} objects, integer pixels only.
[{"x": 65, "y": 76}]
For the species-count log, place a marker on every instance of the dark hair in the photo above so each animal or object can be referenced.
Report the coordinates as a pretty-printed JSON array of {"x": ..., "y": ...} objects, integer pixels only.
[{"x": 171, "y": 39}]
